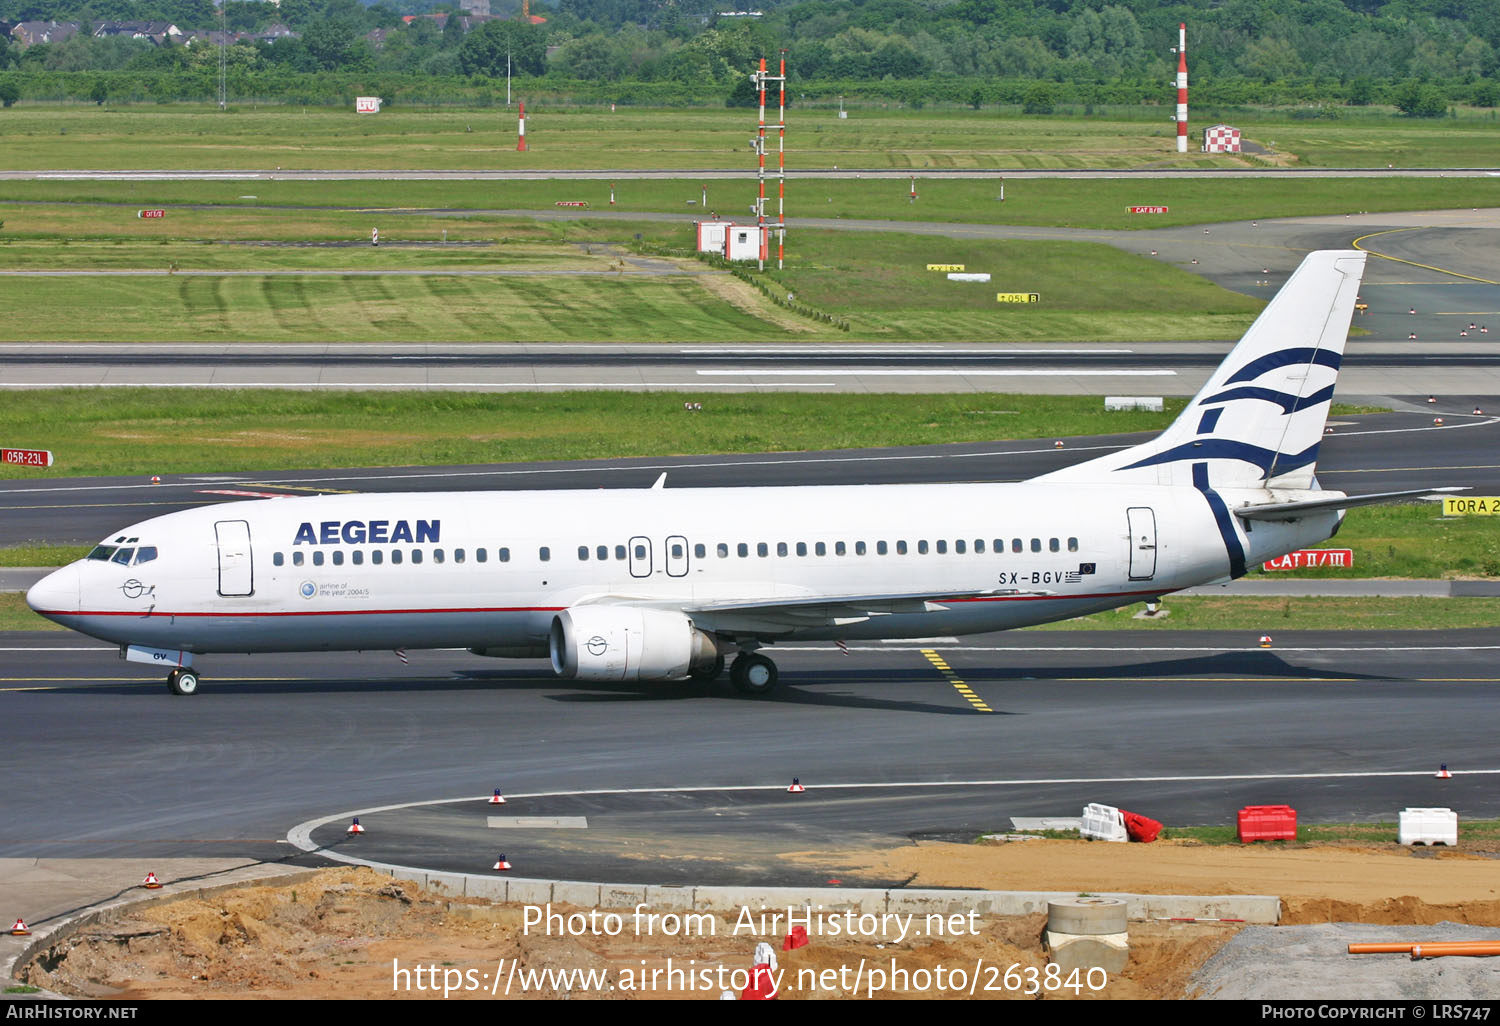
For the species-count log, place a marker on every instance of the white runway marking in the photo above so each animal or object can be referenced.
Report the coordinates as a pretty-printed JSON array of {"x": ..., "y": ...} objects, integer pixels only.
[{"x": 940, "y": 372}]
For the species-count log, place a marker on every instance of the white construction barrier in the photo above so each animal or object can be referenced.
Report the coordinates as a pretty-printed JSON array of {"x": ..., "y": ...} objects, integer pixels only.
[
  {"x": 1103, "y": 823},
  {"x": 1428, "y": 826}
]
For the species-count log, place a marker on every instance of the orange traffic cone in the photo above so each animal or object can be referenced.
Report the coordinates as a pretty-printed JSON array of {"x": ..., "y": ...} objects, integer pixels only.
[
  {"x": 501, "y": 865},
  {"x": 796, "y": 787},
  {"x": 1442, "y": 773},
  {"x": 355, "y": 828},
  {"x": 1265, "y": 641},
  {"x": 20, "y": 929},
  {"x": 151, "y": 883},
  {"x": 497, "y": 798}
]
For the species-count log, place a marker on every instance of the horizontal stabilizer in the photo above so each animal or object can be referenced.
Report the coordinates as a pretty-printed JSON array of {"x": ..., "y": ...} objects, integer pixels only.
[{"x": 1294, "y": 510}]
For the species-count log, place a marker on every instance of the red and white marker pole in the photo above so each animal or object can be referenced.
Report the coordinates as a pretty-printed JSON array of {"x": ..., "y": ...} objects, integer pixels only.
[
  {"x": 1182, "y": 87},
  {"x": 611, "y": 193},
  {"x": 914, "y": 185},
  {"x": 521, "y": 140}
]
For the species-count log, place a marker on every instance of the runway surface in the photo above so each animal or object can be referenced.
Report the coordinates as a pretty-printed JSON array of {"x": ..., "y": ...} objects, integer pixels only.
[
  {"x": 1366, "y": 453},
  {"x": 1183, "y": 726}
]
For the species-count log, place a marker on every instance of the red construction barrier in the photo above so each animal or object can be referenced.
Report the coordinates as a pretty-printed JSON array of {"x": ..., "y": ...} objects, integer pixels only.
[
  {"x": 1267, "y": 823},
  {"x": 1140, "y": 828}
]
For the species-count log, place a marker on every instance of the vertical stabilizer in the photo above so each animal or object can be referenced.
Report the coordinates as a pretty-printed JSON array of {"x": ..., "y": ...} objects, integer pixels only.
[{"x": 1258, "y": 421}]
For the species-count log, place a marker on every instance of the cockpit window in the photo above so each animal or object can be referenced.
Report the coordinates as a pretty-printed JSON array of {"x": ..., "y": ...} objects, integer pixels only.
[
  {"x": 102, "y": 552},
  {"x": 145, "y": 554},
  {"x": 123, "y": 557}
]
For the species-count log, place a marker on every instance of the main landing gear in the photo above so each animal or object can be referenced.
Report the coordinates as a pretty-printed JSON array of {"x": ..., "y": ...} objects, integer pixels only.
[
  {"x": 182, "y": 682},
  {"x": 753, "y": 674}
]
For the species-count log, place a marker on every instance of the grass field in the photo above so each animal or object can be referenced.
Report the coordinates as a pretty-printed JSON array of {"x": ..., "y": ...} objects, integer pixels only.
[
  {"x": 1270, "y": 614},
  {"x": 156, "y": 431},
  {"x": 1033, "y": 202},
  {"x": 41, "y": 137},
  {"x": 514, "y": 280}
]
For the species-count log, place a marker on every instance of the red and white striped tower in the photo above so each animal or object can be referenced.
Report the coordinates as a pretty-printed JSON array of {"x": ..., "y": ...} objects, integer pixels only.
[
  {"x": 781, "y": 170},
  {"x": 1182, "y": 87},
  {"x": 760, "y": 146},
  {"x": 521, "y": 140}
]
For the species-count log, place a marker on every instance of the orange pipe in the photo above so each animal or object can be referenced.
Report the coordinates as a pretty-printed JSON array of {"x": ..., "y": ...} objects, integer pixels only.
[
  {"x": 1428, "y": 949},
  {"x": 1440, "y": 948}
]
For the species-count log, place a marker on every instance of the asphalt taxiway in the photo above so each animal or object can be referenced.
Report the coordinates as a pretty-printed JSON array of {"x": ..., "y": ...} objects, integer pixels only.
[{"x": 1182, "y": 726}]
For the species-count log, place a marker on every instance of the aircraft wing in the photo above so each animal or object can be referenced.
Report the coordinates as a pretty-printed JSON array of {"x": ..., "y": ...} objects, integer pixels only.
[{"x": 1293, "y": 510}]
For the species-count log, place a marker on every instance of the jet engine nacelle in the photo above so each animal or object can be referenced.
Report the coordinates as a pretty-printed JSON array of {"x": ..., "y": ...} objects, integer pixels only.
[{"x": 625, "y": 643}]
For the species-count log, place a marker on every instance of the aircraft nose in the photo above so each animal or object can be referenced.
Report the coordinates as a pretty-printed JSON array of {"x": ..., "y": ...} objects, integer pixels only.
[{"x": 58, "y": 592}]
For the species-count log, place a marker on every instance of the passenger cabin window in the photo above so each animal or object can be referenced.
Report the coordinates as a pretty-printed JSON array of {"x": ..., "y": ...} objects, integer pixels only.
[
  {"x": 922, "y": 547},
  {"x": 1036, "y": 545},
  {"x": 503, "y": 555},
  {"x": 481, "y": 556},
  {"x": 802, "y": 548},
  {"x": 722, "y": 550},
  {"x": 358, "y": 556},
  {"x": 602, "y": 552},
  {"x": 901, "y": 548},
  {"x": 700, "y": 550},
  {"x": 859, "y": 548},
  {"x": 838, "y": 548},
  {"x": 958, "y": 546},
  {"x": 1016, "y": 545},
  {"x": 583, "y": 553},
  {"x": 395, "y": 555},
  {"x": 820, "y": 549},
  {"x": 1072, "y": 544},
  {"x": 544, "y": 554},
  {"x": 318, "y": 558},
  {"x": 942, "y": 547},
  {"x": 279, "y": 559},
  {"x": 416, "y": 555},
  {"x": 742, "y": 549},
  {"x": 1053, "y": 546},
  {"x": 377, "y": 557},
  {"x": 458, "y": 555},
  {"x": 781, "y": 549},
  {"x": 620, "y": 553},
  {"x": 338, "y": 557},
  {"x": 762, "y": 549},
  {"x": 297, "y": 559},
  {"x": 880, "y": 548},
  {"x": 437, "y": 555}
]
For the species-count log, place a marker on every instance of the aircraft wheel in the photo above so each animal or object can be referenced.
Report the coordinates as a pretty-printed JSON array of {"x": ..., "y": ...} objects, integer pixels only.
[
  {"x": 182, "y": 682},
  {"x": 754, "y": 674},
  {"x": 712, "y": 673}
]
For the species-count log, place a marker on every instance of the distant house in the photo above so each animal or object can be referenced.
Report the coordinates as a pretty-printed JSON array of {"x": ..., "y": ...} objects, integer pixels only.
[
  {"x": 28, "y": 33},
  {"x": 158, "y": 32}
]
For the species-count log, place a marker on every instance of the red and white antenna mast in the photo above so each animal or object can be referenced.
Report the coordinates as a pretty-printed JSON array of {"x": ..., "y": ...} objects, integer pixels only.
[
  {"x": 1182, "y": 87},
  {"x": 521, "y": 137}
]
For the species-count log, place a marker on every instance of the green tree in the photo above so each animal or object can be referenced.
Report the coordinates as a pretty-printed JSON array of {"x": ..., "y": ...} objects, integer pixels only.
[
  {"x": 9, "y": 93},
  {"x": 1419, "y": 100},
  {"x": 484, "y": 51},
  {"x": 99, "y": 92}
]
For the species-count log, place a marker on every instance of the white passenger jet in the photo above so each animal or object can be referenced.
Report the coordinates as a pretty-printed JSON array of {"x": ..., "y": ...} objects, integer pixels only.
[{"x": 659, "y": 584}]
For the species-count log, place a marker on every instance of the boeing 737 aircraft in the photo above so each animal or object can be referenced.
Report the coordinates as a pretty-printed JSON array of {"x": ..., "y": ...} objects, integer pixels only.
[{"x": 659, "y": 584}]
